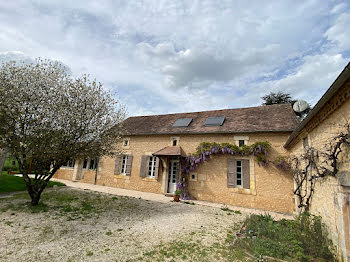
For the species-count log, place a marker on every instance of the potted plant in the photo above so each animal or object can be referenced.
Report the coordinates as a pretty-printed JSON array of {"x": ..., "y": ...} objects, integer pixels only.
[{"x": 177, "y": 195}]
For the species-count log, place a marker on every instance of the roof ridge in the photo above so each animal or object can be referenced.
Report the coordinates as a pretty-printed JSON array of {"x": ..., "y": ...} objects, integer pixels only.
[{"x": 216, "y": 110}]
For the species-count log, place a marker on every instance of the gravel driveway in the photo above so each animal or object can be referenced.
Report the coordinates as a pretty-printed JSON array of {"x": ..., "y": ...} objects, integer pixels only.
[{"x": 82, "y": 225}]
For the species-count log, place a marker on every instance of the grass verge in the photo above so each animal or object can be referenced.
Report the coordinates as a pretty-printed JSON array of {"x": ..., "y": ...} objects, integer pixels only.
[{"x": 10, "y": 183}]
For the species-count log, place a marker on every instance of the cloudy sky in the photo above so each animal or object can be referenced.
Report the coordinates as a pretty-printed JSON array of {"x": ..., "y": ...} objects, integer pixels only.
[{"x": 178, "y": 56}]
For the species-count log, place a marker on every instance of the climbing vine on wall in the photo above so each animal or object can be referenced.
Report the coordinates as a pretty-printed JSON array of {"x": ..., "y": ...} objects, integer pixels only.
[
  {"x": 205, "y": 151},
  {"x": 317, "y": 163}
]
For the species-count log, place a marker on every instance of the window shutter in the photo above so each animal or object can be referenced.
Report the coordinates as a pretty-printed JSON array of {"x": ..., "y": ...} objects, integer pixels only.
[
  {"x": 246, "y": 174},
  {"x": 117, "y": 164},
  {"x": 156, "y": 170},
  {"x": 231, "y": 167},
  {"x": 143, "y": 166},
  {"x": 128, "y": 165}
]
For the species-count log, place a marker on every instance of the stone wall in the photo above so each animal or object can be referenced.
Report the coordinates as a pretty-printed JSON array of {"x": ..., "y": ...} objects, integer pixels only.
[
  {"x": 331, "y": 197},
  {"x": 270, "y": 189}
]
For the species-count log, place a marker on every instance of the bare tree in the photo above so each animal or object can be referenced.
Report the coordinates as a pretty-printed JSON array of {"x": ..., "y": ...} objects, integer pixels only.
[{"x": 48, "y": 118}]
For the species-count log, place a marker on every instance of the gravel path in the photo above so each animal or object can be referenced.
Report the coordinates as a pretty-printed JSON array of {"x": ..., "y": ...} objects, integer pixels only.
[
  {"x": 115, "y": 229},
  {"x": 165, "y": 199},
  {"x": 84, "y": 222}
]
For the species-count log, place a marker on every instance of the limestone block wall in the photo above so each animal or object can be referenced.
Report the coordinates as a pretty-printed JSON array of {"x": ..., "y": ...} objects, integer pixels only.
[
  {"x": 270, "y": 188},
  {"x": 64, "y": 173},
  {"x": 331, "y": 197}
]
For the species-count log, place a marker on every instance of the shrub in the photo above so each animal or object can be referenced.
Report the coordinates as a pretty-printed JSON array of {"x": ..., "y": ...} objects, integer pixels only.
[{"x": 304, "y": 239}]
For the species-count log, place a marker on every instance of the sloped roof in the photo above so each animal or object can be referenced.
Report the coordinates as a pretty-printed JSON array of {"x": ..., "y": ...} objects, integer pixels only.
[
  {"x": 332, "y": 90},
  {"x": 273, "y": 118},
  {"x": 170, "y": 151}
]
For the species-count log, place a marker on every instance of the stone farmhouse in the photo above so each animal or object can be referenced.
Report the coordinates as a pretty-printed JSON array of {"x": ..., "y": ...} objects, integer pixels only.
[{"x": 154, "y": 147}]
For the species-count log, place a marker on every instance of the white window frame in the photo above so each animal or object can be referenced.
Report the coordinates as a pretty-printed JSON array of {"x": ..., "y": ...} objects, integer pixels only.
[
  {"x": 123, "y": 164},
  {"x": 237, "y": 138},
  {"x": 88, "y": 162},
  {"x": 239, "y": 172},
  {"x": 151, "y": 167}
]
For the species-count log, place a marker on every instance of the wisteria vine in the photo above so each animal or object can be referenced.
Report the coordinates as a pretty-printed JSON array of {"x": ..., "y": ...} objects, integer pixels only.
[{"x": 205, "y": 151}]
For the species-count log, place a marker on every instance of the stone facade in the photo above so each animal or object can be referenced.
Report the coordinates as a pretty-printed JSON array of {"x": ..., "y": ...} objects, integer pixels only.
[
  {"x": 331, "y": 195},
  {"x": 270, "y": 188}
]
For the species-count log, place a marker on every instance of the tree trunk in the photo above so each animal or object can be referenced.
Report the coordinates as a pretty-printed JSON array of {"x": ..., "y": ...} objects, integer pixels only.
[
  {"x": 35, "y": 198},
  {"x": 3, "y": 153}
]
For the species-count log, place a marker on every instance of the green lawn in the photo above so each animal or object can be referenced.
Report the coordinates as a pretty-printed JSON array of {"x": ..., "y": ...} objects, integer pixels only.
[{"x": 10, "y": 183}]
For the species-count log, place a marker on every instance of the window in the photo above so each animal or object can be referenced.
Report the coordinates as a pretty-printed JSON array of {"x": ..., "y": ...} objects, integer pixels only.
[
  {"x": 241, "y": 140},
  {"x": 85, "y": 163},
  {"x": 93, "y": 164},
  {"x": 214, "y": 121},
  {"x": 70, "y": 163},
  {"x": 182, "y": 122},
  {"x": 306, "y": 142},
  {"x": 123, "y": 164},
  {"x": 126, "y": 142},
  {"x": 90, "y": 163},
  {"x": 193, "y": 177},
  {"x": 174, "y": 141},
  {"x": 152, "y": 166},
  {"x": 238, "y": 173},
  {"x": 239, "y": 178}
]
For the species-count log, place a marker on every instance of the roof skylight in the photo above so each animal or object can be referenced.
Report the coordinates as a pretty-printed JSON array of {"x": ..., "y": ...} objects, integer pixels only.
[
  {"x": 182, "y": 122},
  {"x": 214, "y": 121}
]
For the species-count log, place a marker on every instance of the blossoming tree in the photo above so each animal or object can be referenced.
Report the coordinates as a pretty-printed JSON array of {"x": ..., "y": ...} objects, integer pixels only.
[{"x": 48, "y": 118}]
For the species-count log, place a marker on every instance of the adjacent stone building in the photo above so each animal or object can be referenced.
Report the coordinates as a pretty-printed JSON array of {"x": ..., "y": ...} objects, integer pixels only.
[
  {"x": 154, "y": 146},
  {"x": 332, "y": 194}
]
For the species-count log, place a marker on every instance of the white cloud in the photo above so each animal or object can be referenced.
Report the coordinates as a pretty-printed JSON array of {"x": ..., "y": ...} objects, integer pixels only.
[
  {"x": 309, "y": 81},
  {"x": 13, "y": 56},
  {"x": 340, "y": 32},
  {"x": 213, "y": 53}
]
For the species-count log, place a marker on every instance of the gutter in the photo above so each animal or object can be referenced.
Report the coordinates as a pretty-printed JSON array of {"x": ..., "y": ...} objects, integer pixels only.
[{"x": 208, "y": 133}]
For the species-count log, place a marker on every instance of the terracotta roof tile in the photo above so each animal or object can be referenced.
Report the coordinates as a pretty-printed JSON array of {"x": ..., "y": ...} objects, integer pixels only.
[
  {"x": 170, "y": 151},
  {"x": 273, "y": 118}
]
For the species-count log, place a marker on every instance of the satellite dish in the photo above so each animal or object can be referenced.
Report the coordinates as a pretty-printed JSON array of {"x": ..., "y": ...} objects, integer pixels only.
[{"x": 300, "y": 106}]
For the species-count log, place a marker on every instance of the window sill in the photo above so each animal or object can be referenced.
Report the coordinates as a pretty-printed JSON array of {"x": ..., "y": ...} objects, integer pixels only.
[
  {"x": 243, "y": 191},
  {"x": 122, "y": 177},
  {"x": 149, "y": 179}
]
